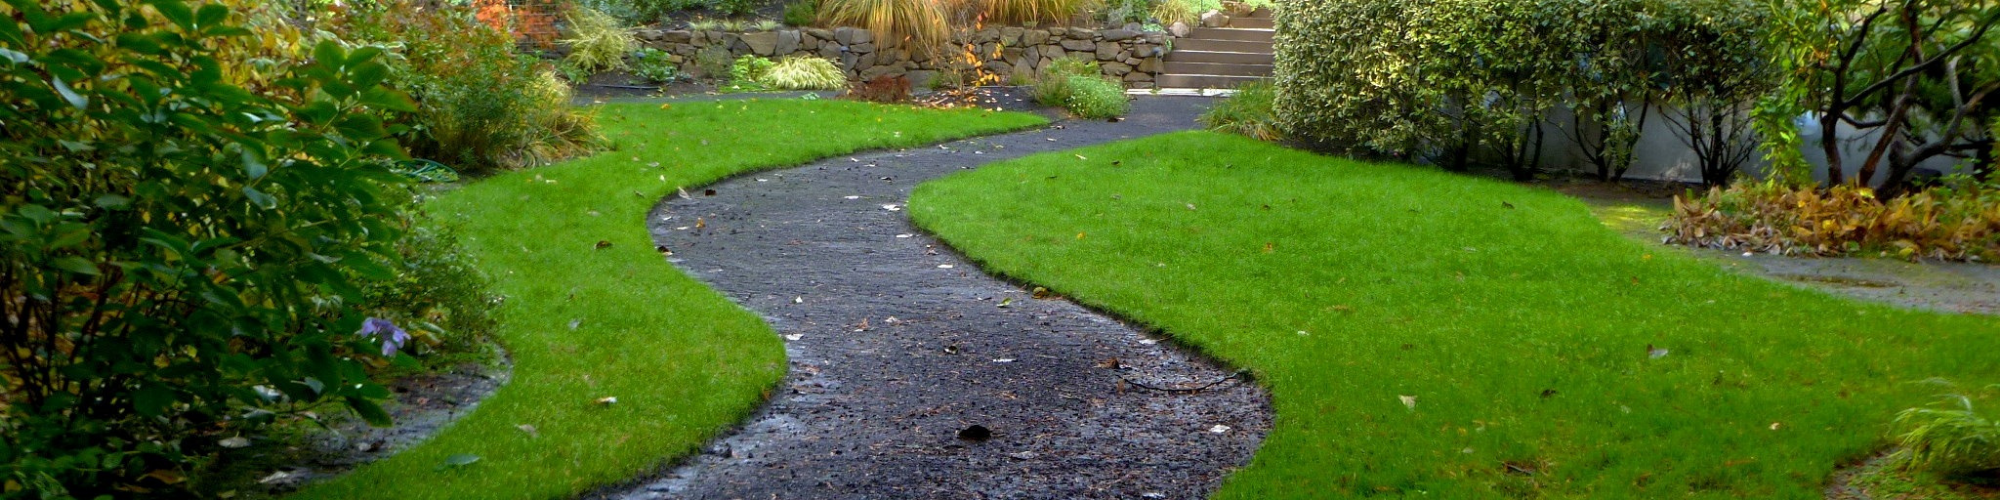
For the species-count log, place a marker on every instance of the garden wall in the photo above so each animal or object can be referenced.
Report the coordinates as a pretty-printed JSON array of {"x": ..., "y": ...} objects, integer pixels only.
[{"x": 1010, "y": 53}]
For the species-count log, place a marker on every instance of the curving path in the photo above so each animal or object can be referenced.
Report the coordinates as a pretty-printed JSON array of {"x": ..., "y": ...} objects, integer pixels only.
[{"x": 898, "y": 345}]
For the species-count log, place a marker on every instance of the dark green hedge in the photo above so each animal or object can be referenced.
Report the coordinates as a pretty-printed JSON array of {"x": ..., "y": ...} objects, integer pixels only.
[{"x": 1442, "y": 80}]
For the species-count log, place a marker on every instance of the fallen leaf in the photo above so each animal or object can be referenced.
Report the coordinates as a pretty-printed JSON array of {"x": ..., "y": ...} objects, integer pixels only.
[
  {"x": 528, "y": 429},
  {"x": 1409, "y": 401},
  {"x": 1006, "y": 302},
  {"x": 459, "y": 460},
  {"x": 603, "y": 244},
  {"x": 700, "y": 222},
  {"x": 1109, "y": 363},
  {"x": 1655, "y": 352},
  {"x": 1506, "y": 205},
  {"x": 1041, "y": 293}
]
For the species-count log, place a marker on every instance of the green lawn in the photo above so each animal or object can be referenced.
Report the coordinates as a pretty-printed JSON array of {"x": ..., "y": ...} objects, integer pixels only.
[
  {"x": 1522, "y": 333},
  {"x": 584, "y": 323}
]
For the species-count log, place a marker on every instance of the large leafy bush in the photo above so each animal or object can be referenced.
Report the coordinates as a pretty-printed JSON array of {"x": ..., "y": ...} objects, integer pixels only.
[
  {"x": 1452, "y": 81},
  {"x": 183, "y": 238},
  {"x": 482, "y": 104}
]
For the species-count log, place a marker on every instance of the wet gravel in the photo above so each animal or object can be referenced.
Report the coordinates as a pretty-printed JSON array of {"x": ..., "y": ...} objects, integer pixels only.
[{"x": 915, "y": 375}]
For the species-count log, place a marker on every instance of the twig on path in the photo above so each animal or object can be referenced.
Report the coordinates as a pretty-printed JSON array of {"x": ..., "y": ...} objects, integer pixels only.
[{"x": 1239, "y": 375}]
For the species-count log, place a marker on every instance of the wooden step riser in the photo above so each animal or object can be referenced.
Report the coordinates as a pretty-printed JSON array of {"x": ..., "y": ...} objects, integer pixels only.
[
  {"x": 1252, "y": 23},
  {"x": 1222, "y": 46},
  {"x": 1203, "y": 81},
  {"x": 1191, "y": 56},
  {"x": 1218, "y": 69},
  {"x": 1231, "y": 34}
]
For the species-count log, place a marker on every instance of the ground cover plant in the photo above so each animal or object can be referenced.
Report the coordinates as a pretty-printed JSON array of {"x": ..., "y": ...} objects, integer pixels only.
[
  {"x": 1956, "y": 221},
  {"x": 1425, "y": 334},
  {"x": 620, "y": 361}
]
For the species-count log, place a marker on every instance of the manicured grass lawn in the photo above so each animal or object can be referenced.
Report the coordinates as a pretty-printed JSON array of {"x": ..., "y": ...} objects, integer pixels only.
[
  {"x": 1522, "y": 333},
  {"x": 584, "y": 323}
]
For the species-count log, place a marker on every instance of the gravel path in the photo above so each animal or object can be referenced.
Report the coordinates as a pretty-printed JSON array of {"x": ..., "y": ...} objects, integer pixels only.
[{"x": 899, "y": 347}]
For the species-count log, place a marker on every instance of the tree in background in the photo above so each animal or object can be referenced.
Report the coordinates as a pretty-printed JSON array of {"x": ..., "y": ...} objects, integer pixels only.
[{"x": 1920, "y": 74}]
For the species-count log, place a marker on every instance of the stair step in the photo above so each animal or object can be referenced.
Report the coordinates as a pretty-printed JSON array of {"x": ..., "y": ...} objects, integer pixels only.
[
  {"x": 1252, "y": 23},
  {"x": 1173, "y": 81},
  {"x": 1233, "y": 34},
  {"x": 1188, "y": 68},
  {"x": 1195, "y": 56},
  {"x": 1223, "y": 46}
]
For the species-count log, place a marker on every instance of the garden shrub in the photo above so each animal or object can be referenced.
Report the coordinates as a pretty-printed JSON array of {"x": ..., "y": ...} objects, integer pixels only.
[
  {"x": 883, "y": 89},
  {"x": 654, "y": 65},
  {"x": 801, "y": 12},
  {"x": 482, "y": 104},
  {"x": 734, "y": 7},
  {"x": 1454, "y": 80},
  {"x": 1248, "y": 112},
  {"x": 172, "y": 282},
  {"x": 1052, "y": 87},
  {"x": 804, "y": 73},
  {"x": 597, "y": 41},
  {"x": 1957, "y": 221},
  {"x": 747, "y": 74},
  {"x": 1096, "y": 97}
]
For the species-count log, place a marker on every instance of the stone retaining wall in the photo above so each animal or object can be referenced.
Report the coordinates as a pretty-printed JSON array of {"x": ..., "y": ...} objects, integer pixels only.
[{"x": 1010, "y": 52}]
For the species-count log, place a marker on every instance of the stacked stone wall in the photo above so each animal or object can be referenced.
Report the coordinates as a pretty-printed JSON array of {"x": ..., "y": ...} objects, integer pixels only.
[{"x": 1011, "y": 53}]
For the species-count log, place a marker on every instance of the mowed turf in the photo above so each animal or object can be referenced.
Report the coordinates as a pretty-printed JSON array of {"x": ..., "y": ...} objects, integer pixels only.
[
  {"x": 1441, "y": 336},
  {"x": 584, "y": 321}
]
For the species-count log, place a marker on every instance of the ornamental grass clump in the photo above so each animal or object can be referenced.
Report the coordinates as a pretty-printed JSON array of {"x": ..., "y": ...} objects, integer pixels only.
[
  {"x": 1249, "y": 113},
  {"x": 1954, "y": 440},
  {"x": 804, "y": 73},
  {"x": 597, "y": 42}
]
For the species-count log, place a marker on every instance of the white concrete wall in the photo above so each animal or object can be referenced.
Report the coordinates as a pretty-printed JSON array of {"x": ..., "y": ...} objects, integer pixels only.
[{"x": 1661, "y": 155}]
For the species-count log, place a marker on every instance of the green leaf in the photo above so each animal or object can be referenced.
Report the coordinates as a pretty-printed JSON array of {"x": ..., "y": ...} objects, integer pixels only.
[
  {"x": 76, "y": 265},
  {"x": 68, "y": 94},
  {"x": 211, "y": 14},
  {"x": 262, "y": 200},
  {"x": 459, "y": 460},
  {"x": 112, "y": 202},
  {"x": 252, "y": 166},
  {"x": 370, "y": 412},
  {"x": 152, "y": 399}
]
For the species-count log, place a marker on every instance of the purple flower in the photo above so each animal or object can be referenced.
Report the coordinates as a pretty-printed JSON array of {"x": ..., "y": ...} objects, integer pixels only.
[{"x": 391, "y": 336}]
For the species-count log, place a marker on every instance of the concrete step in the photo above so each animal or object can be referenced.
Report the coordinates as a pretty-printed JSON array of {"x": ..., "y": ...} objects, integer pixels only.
[
  {"x": 1188, "y": 68},
  {"x": 1173, "y": 81},
  {"x": 1222, "y": 46},
  {"x": 1261, "y": 23},
  {"x": 1195, "y": 56},
  {"x": 1232, "y": 34}
]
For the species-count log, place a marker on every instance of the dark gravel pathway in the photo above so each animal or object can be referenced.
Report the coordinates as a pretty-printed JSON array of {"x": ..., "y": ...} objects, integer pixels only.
[{"x": 898, "y": 345}]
